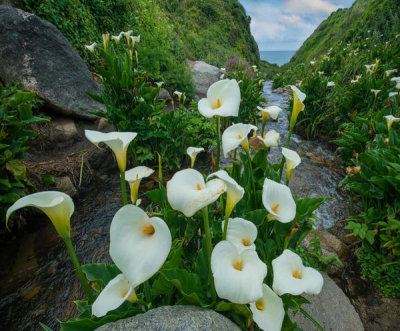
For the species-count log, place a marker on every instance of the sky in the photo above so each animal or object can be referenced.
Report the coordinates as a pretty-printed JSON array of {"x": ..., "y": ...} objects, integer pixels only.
[{"x": 286, "y": 24}]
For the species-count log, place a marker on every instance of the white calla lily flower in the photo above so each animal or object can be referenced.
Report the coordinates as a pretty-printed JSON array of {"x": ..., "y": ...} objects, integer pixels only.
[
  {"x": 238, "y": 276},
  {"x": 389, "y": 72},
  {"x": 278, "y": 200},
  {"x": 117, "y": 141},
  {"x": 236, "y": 135},
  {"x": 223, "y": 99},
  {"x": 375, "y": 92},
  {"x": 270, "y": 139},
  {"x": 58, "y": 206},
  {"x": 134, "y": 176},
  {"x": 268, "y": 312},
  {"x": 139, "y": 245},
  {"x": 234, "y": 192},
  {"x": 188, "y": 193},
  {"x": 117, "y": 38},
  {"x": 321, "y": 73},
  {"x": 116, "y": 292},
  {"x": 241, "y": 233},
  {"x": 192, "y": 152},
  {"x": 159, "y": 84},
  {"x": 91, "y": 47},
  {"x": 290, "y": 276},
  {"x": 330, "y": 84},
  {"x": 392, "y": 94},
  {"x": 298, "y": 105},
  {"x": 271, "y": 111},
  {"x": 390, "y": 119},
  {"x": 134, "y": 39},
  {"x": 312, "y": 62},
  {"x": 292, "y": 161}
]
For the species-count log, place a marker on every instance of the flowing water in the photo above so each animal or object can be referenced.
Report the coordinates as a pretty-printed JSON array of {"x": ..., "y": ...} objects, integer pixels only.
[{"x": 37, "y": 281}]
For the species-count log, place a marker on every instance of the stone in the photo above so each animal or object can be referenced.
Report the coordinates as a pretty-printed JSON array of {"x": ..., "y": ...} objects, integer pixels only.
[
  {"x": 164, "y": 95},
  {"x": 64, "y": 184},
  {"x": 174, "y": 318},
  {"x": 63, "y": 129},
  {"x": 36, "y": 54},
  {"x": 204, "y": 75},
  {"x": 331, "y": 308},
  {"x": 278, "y": 90},
  {"x": 104, "y": 126}
]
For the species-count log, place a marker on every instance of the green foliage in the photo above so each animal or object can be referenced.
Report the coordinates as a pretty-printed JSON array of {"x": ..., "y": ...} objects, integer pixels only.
[{"x": 16, "y": 106}]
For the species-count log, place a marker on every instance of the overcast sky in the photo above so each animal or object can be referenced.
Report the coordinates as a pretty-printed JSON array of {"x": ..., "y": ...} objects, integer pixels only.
[{"x": 286, "y": 24}]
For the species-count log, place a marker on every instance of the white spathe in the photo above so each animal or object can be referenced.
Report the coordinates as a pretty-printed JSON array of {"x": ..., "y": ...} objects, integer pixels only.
[
  {"x": 278, "y": 200},
  {"x": 241, "y": 233},
  {"x": 223, "y": 99},
  {"x": 290, "y": 276},
  {"x": 116, "y": 292},
  {"x": 134, "y": 176},
  {"x": 188, "y": 193},
  {"x": 234, "y": 192},
  {"x": 330, "y": 84},
  {"x": 236, "y": 135},
  {"x": 238, "y": 276},
  {"x": 292, "y": 160},
  {"x": 271, "y": 111},
  {"x": 268, "y": 311},
  {"x": 91, "y": 47},
  {"x": 58, "y": 206},
  {"x": 390, "y": 119},
  {"x": 117, "y": 141},
  {"x": 270, "y": 139},
  {"x": 139, "y": 245},
  {"x": 192, "y": 152}
]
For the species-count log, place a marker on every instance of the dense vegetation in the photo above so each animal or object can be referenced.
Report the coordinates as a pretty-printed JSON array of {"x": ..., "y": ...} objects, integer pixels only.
[
  {"x": 171, "y": 31},
  {"x": 348, "y": 70}
]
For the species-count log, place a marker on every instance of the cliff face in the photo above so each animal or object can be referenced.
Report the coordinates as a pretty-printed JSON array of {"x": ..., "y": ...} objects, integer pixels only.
[{"x": 347, "y": 25}]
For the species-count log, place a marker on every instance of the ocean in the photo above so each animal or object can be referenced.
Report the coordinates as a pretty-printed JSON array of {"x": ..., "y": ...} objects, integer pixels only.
[{"x": 277, "y": 57}]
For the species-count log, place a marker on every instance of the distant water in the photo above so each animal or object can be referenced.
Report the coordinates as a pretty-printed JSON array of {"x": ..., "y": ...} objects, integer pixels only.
[{"x": 277, "y": 57}]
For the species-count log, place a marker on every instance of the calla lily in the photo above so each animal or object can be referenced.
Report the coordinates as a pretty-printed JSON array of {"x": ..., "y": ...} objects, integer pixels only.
[
  {"x": 236, "y": 135},
  {"x": 238, "y": 276},
  {"x": 117, "y": 291},
  {"x": 91, "y": 47},
  {"x": 278, "y": 200},
  {"x": 58, "y": 206},
  {"x": 106, "y": 40},
  {"x": 353, "y": 81},
  {"x": 312, "y": 62},
  {"x": 234, "y": 192},
  {"x": 179, "y": 94},
  {"x": 117, "y": 141},
  {"x": 270, "y": 139},
  {"x": 330, "y": 84},
  {"x": 241, "y": 233},
  {"x": 139, "y": 245},
  {"x": 192, "y": 152},
  {"x": 127, "y": 34},
  {"x": 389, "y": 72},
  {"x": 117, "y": 38},
  {"x": 223, "y": 70},
  {"x": 134, "y": 39},
  {"x": 223, "y": 99},
  {"x": 392, "y": 94},
  {"x": 159, "y": 84},
  {"x": 188, "y": 193},
  {"x": 268, "y": 311},
  {"x": 134, "y": 176},
  {"x": 292, "y": 161},
  {"x": 298, "y": 105},
  {"x": 321, "y": 73},
  {"x": 390, "y": 119},
  {"x": 290, "y": 276},
  {"x": 271, "y": 111},
  {"x": 375, "y": 92},
  {"x": 254, "y": 68}
]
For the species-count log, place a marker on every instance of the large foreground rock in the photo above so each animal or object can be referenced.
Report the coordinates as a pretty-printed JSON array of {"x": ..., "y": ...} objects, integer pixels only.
[
  {"x": 174, "y": 318},
  {"x": 332, "y": 309},
  {"x": 36, "y": 54},
  {"x": 204, "y": 75}
]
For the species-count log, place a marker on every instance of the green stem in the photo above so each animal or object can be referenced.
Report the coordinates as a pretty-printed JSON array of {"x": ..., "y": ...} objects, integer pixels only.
[
  {"x": 319, "y": 326},
  {"x": 123, "y": 188},
  {"x": 286, "y": 145},
  {"x": 262, "y": 129},
  {"x": 253, "y": 186},
  {"x": 78, "y": 268},
  {"x": 225, "y": 226},
  {"x": 209, "y": 249},
  {"x": 218, "y": 123}
]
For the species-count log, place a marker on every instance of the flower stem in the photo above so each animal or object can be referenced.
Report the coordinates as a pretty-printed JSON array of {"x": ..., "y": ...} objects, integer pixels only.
[
  {"x": 123, "y": 188},
  {"x": 225, "y": 226},
  {"x": 209, "y": 249},
  {"x": 253, "y": 186},
  {"x": 262, "y": 129},
  {"x": 319, "y": 326},
  {"x": 78, "y": 268},
  {"x": 218, "y": 123},
  {"x": 286, "y": 145}
]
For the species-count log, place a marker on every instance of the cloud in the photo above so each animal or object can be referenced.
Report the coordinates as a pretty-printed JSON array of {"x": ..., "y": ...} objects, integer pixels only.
[{"x": 309, "y": 6}]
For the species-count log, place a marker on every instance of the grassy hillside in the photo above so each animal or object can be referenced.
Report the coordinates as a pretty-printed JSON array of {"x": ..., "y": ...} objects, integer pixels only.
[{"x": 170, "y": 30}]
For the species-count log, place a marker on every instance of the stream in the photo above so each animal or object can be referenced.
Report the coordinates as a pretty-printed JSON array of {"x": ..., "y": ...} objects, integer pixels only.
[{"x": 37, "y": 281}]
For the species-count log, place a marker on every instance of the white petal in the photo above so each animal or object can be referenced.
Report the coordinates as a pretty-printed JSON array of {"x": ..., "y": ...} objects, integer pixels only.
[
  {"x": 274, "y": 111},
  {"x": 188, "y": 193},
  {"x": 112, "y": 296},
  {"x": 271, "y": 139},
  {"x": 278, "y": 200},
  {"x": 270, "y": 318},
  {"x": 285, "y": 267},
  {"x": 235, "y": 135},
  {"x": 138, "y": 253},
  {"x": 299, "y": 94},
  {"x": 138, "y": 173},
  {"x": 193, "y": 151},
  {"x": 292, "y": 158},
  {"x": 241, "y": 233},
  {"x": 238, "y": 286},
  {"x": 58, "y": 206}
]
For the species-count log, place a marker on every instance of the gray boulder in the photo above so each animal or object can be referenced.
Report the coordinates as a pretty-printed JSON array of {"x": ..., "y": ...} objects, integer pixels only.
[
  {"x": 331, "y": 308},
  {"x": 204, "y": 75},
  {"x": 37, "y": 55},
  {"x": 174, "y": 318}
]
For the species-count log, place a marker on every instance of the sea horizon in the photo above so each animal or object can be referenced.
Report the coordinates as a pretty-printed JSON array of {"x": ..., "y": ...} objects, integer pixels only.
[{"x": 277, "y": 57}]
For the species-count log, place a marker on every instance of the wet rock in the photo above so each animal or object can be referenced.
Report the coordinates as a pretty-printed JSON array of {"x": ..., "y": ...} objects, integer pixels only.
[
  {"x": 64, "y": 184},
  {"x": 63, "y": 129},
  {"x": 169, "y": 318},
  {"x": 331, "y": 308},
  {"x": 34, "y": 53},
  {"x": 278, "y": 90},
  {"x": 164, "y": 95},
  {"x": 104, "y": 126},
  {"x": 204, "y": 75}
]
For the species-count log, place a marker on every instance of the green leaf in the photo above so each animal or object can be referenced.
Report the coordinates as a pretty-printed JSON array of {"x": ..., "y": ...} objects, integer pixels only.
[
  {"x": 100, "y": 273},
  {"x": 306, "y": 206},
  {"x": 236, "y": 308},
  {"x": 45, "y": 327},
  {"x": 17, "y": 168}
]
